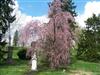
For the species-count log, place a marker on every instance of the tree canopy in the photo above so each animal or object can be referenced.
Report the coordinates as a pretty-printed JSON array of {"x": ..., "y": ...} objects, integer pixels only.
[
  {"x": 88, "y": 48},
  {"x": 6, "y": 17}
]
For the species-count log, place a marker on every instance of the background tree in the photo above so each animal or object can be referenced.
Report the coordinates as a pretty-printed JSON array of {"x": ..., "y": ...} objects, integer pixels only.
[
  {"x": 69, "y": 6},
  {"x": 5, "y": 15},
  {"x": 16, "y": 38},
  {"x": 29, "y": 33},
  {"x": 5, "y": 19},
  {"x": 88, "y": 48}
]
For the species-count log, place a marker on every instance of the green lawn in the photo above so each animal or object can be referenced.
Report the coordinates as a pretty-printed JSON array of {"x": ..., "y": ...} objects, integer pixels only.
[
  {"x": 79, "y": 68},
  {"x": 85, "y": 67},
  {"x": 21, "y": 67},
  {"x": 18, "y": 68}
]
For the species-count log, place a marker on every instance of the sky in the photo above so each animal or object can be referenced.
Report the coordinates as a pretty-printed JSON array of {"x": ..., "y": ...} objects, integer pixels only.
[
  {"x": 38, "y": 10},
  {"x": 27, "y": 10},
  {"x": 34, "y": 7},
  {"x": 40, "y": 7}
]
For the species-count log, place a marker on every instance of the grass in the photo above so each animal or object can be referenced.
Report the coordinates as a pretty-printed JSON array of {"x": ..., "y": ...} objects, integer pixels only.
[
  {"x": 18, "y": 68},
  {"x": 87, "y": 66},
  {"x": 21, "y": 67},
  {"x": 79, "y": 68},
  {"x": 93, "y": 68}
]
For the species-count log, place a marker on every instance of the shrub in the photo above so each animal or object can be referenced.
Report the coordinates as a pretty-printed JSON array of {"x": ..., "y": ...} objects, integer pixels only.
[
  {"x": 22, "y": 54},
  {"x": 2, "y": 50}
]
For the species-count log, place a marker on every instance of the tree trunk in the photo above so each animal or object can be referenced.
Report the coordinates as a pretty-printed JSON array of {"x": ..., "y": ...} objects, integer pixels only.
[
  {"x": 9, "y": 56},
  {"x": 10, "y": 52}
]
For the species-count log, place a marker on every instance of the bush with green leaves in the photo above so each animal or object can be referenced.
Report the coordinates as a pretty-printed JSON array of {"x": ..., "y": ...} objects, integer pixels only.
[
  {"x": 3, "y": 50},
  {"x": 22, "y": 54},
  {"x": 89, "y": 45}
]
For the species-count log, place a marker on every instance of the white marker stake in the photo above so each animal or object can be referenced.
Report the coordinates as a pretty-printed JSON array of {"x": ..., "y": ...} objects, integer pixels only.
[{"x": 34, "y": 63}]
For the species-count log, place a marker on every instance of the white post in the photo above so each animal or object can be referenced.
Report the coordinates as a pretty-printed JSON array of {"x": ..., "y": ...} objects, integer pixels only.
[{"x": 34, "y": 63}]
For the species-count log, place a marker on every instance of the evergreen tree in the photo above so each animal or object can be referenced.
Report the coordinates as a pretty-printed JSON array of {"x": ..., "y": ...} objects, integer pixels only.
[
  {"x": 5, "y": 19},
  {"x": 90, "y": 41},
  {"x": 5, "y": 15},
  {"x": 69, "y": 6},
  {"x": 15, "y": 39}
]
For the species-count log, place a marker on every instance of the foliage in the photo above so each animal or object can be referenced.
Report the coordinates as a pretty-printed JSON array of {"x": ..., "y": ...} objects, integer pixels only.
[
  {"x": 57, "y": 36},
  {"x": 29, "y": 33},
  {"x": 69, "y": 6},
  {"x": 22, "y": 54},
  {"x": 3, "y": 51},
  {"x": 15, "y": 39},
  {"x": 6, "y": 18},
  {"x": 88, "y": 48},
  {"x": 5, "y": 15}
]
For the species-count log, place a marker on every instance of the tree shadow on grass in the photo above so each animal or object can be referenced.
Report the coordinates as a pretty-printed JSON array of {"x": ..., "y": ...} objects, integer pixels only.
[
  {"x": 41, "y": 68},
  {"x": 16, "y": 62},
  {"x": 31, "y": 73}
]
